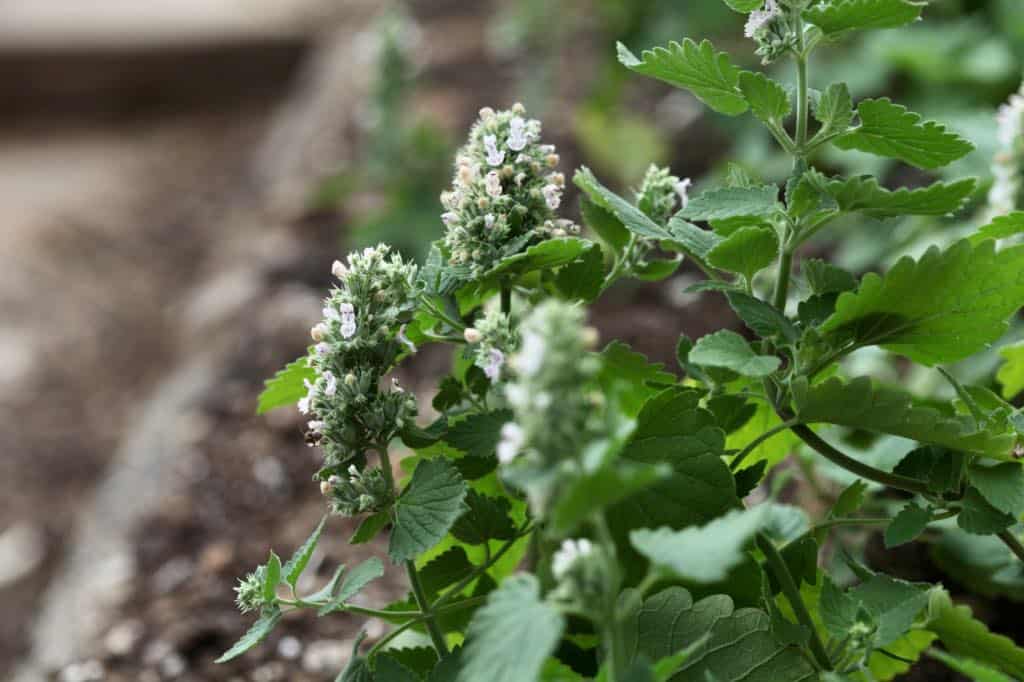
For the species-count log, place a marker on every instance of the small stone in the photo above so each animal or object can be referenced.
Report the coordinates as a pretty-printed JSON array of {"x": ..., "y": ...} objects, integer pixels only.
[
  {"x": 122, "y": 638},
  {"x": 88, "y": 671},
  {"x": 326, "y": 655},
  {"x": 269, "y": 672},
  {"x": 289, "y": 647},
  {"x": 216, "y": 557},
  {"x": 173, "y": 665},
  {"x": 22, "y": 548},
  {"x": 173, "y": 574}
]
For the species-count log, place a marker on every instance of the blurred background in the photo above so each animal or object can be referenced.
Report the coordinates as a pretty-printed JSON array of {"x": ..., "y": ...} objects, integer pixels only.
[{"x": 177, "y": 177}]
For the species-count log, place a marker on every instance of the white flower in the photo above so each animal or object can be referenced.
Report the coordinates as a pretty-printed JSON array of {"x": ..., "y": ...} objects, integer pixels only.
[
  {"x": 318, "y": 332},
  {"x": 450, "y": 218},
  {"x": 531, "y": 356},
  {"x": 472, "y": 335},
  {"x": 304, "y": 405},
  {"x": 516, "y": 395},
  {"x": 493, "y": 184},
  {"x": 517, "y": 137},
  {"x": 489, "y": 220},
  {"x": 512, "y": 438},
  {"x": 495, "y": 157},
  {"x": 330, "y": 313},
  {"x": 315, "y": 425},
  {"x": 553, "y": 196},
  {"x": 331, "y": 385},
  {"x": 348, "y": 320},
  {"x": 322, "y": 349},
  {"x": 542, "y": 401},
  {"x": 1011, "y": 120},
  {"x": 759, "y": 18},
  {"x": 568, "y": 554},
  {"x": 339, "y": 270},
  {"x": 682, "y": 189},
  {"x": 495, "y": 361},
  {"x": 402, "y": 338}
]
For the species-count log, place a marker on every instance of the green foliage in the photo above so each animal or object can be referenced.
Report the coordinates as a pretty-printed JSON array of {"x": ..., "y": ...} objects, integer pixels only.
[
  {"x": 264, "y": 625},
  {"x": 733, "y": 202},
  {"x": 863, "y": 194},
  {"x": 286, "y": 387},
  {"x": 729, "y": 350},
  {"x": 1011, "y": 374},
  {"x": 746, "y": 251},
  {"x": 964, "y": 635},
  {"x": 768, "y": 100},
  {"x": 427, "y": 510},
  {"x": 838, "y": 16},
  {"x": 907, "y": 525}
]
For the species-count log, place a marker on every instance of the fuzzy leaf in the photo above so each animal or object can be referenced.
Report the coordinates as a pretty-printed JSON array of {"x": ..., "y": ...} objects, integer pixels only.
[
  {"x": 838, "y": 16},
  {"x": 692, "y": 240},
  {"x": 733, "y": 202},
  {"x": 981, "y": 518},
  {"x": 427, "y": 509},
  {"x": 286, "y": 387},
  {"x": 487, "y": 518},
  {"x": 271, "y": 578},
  {"x": 708, "y": 74},
  {"x": 863, "y": 194},
  {"x": 942, "y": 308},
  {"x": 728, "y": 350},
  {"x": 631, "y": 377},
  {"x": 1002, "y": 485},
  {"x": 744, "y": 6},
  {"x": 582, "y": 279},
  {"x": 705, "y": 554},
  {"x": 746, "y": 251},
  {"x": 888, "y": 129},
  {"x": 907, "y": 526},
  {"x": 1011, "y": 373},
  {"x": 860, "y": 405},
  {"x": 1000, "y": 228},
  {"x": 895, "y": 604},
  {"x": 978, "y": 672},
  {"x": 634, "y": 220},
  {"x": 550, "y": 253},
  {"x": 478, "y": 434},
  {"x": 604, "y": 224},
  {"x": 355, "y": 580},
  {"x": 298, "y": 562},
  {"x": 834, "y": 110},
  {"x": 444, "y": 570},
  {"x": 369, "y": 528},
  {"x": 269, "y": 618},
  {"x": 512, "y": 635},
  {"x": 825, "y": 278},
  {"x": 390, "y": 670},
  {"x": 768, "y": 100},
  {"x": 762, "y": 318},
  {"x": 964, "y": 635}
]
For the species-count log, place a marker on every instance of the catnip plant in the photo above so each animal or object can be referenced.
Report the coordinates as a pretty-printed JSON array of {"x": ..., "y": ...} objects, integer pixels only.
[{"x": 573, "y": 511}]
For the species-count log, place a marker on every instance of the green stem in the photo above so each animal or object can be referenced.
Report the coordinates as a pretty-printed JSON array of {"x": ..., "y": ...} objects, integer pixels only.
[
  {"x": 753, "y": 445},
  {"x": 436, "y": 636},
  {"x": 782, "y": 281},
  {"x": 801, "y": 90},
  {"x": 785, "y": 580},
  {"x": 416, "y": 621},
  {"x": 1011, "y": 541},
  {"x": 482, "y": 568},
  {"x": 506, "y": 298},
  {"x": 611, "y": 626},
  {"x": 440, "y": 314},
  {"x": 855, "y": 466}
]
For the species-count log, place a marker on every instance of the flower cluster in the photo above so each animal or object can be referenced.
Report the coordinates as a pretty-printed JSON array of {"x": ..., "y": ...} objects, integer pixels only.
[
  {"x": 249, "y": 591},
  {"x": 361, "y": 492},
  {"x": 492, "y": 340},
  {"x": 659, "y": 193},
  {"x": 505, "y": 192},
  {"x": 357, "y": 342},
  {"x": 553, "y": 413},
  {"x": 769, "y": 27},
  {"x": 1008, "y": 165}
]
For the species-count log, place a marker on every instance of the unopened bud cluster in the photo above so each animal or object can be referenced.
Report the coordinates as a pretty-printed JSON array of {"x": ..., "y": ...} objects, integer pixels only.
[
  {"x": 660, "y": 195},
  {"x": 492, "y": 342},
  {"x": 505, "y": 194},
  {"x": 1007, "y": 193},
  {"x": 770, "y": 27},
  {"x": 581, "y": 569},
  {"x": 359, "y": 492},
  {"x": 249, "y": 591},
  {"x": 357, "y": 342},
  {"x": 554, "y": 414}
]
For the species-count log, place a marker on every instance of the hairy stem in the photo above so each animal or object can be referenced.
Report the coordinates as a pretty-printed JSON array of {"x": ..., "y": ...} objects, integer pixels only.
[
  {"x": 436, "y": 636},
  {"x": 611, "y": 627},
  {"x": 801, "y": 89},
  {"x": 778, "y": 567},
  {"x": 1011, "y": 541},
  {"x": 479, "y": 570},
  {"x": 754, "y": 444}
]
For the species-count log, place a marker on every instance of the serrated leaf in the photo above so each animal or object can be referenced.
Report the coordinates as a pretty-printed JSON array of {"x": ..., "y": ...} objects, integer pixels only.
[
  {"x": 300, "y": 559},
  {"x": 964, "y": 635},
  {"x": 942, "y": 469},
  {"x": 732, "y": 412},
  {"x": 834, "y": 110},
  {"x": 583, "y": 279},
  {"x": 1001, "y": 227},
  {"x": 837, "y": 609},
  {"x": 268, "y": 620},
  {"x": 369, "y": 528},
  {"x": 630, "y": 376},
  {"x": 708, "y": 74},
  {"x": 631, "y": 217},
  {"x": 705, "y": 554},
  {"x": 604, "y": 224},
  {"x": 595, "y": 490},
  {"x": 907, "y": 525},
  {"x": 422, "y": 660},
  {"x": 744, "y": 6},
  {"x": 1011, "y": 373},
  {"x": 895, "y": 604},
  {"x": 860, "y": 405},
  {"x": 728, "y": 645},
  {"x": 487, "y": 518},
  {"x": 1002, "y": 485},
  {"x": 768, "y": 100},
  {"x": 478, "y": 434},
  {"x": 511, "y": 636},
  {"x": 978, "y": 672},
  {"x": 889, "y": 130},
  {"x": 762, "y": 318},
  {"x": 550, "y": 253},
  {"x": 728, "y": 350},
  {"x": 355, "y": 580},
  {"x": 863, "y": 194},
  {"x": 445, "y": 570},
  {"x": 287, "y": 387},
  {"x": 733, "y": 202},
  {"x": 979, "y": 517},
  {"x": 837, "y": 16},
  {"x": 692, "y": 240},
  {"x": 825, "y": 278},
  {"x": 389, "y": 669},
  {"x": 326, "y": 592},
  {"x": 426, "y": 510},
  {"x": 271, "y": 578},
  {"x": 940, "y": 309},
  {"x": 746, "y": 251}
]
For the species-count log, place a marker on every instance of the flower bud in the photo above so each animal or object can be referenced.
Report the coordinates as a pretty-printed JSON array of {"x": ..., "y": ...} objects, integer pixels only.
[
  {"x": 590, "y": 337},
  {"x": 318, "y": 332},
  {"x": 472, "y": 335},
  {"x": 350, "y": 379},
  {"x": 339, "y": 270},
  {"x": 325, "y": 488}
]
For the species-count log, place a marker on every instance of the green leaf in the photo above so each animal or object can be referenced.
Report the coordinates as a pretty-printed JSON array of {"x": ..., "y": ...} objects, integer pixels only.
[
  {"x": 657, "y": 269},
  {"x": 487, "y": 518},
  {"x": 444, "y": 570},
  {"x": 976, "y": 671},
  {"x": 550, "y": 253},
  {"x": 512, "y": 635},
  {"x": 728, "y": 645},
  {"x": 1001, "y": 227},
  {"x": 1011, "y": 373},
  {"x": 942, "y": 469},
  {"x": 370, "y": 527},
  {"x": 839, "y": 611},
  {"x": 863, "y": 194},
  {"x": 942, "y": 308},
  {"x": 427, "y": 509},
  {"x": 287, "y": 387},
  {"x": 768, "y": 100},
  {"x": 838, "y": 16},
  {"x": 888, "y": 129},
  {"x": 762, "y": 318},
  {"x": 895, "y": 604},
  {"x": 478, "y": 434},
  {"x": 834, "y": 110},
  {"x": 692, "y": 240},
  {"x": 705, "y": 554},
  {"x": 595, "y": 490},
  {"x": 732, "y": 412},
  {"x": 390, "y": 670},
  {"x": 298, "y": 562},
  {"x": 907, "y": 526},
  {"x": 582, "y": 279},
  {"x": 825, "y": 278},
  {"x": 728, "y": 350},
  {"x": 708, "y": 74},
  {"x": 733, "y": 202},
  {"x": 358, "y": 668},
  {"x": 355, "y": 580},
  {"x": 631, "y": 217},
  {"x": 269, "y": 618},
  {"x": 980, "y": 517},
  {"x": 744, "y": 6},
  {"x": 963, "y": 635},
  {"x": 746, "y": 251},
  {"x": 604, "y": 224},
  {"x": 1002, "y": 485},
  {"x": 327, "y": 592},
  {"x": 271, "y": 578},
  {"x": 860, "y": 405},
  {"x": 631, "y": 377}
]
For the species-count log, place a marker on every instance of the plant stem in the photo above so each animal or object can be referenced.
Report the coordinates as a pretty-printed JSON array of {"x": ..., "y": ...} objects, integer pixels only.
[
  {"x": 461, "y": 585},
  {"x": 416, "y": 621},
  {"x": 801, "y": 90},
  {"x": 785, "y": 580},
  {"x": 753, "y": 445},
  {"x": 1011, "y": 541},
  {"x": 506, "y": 298},
  {"x": 611, "y": 625},
  {"x": 436, "y": 636},
  {"x": 857, "y": 467},
  {"x": 782, "y": 280}
]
